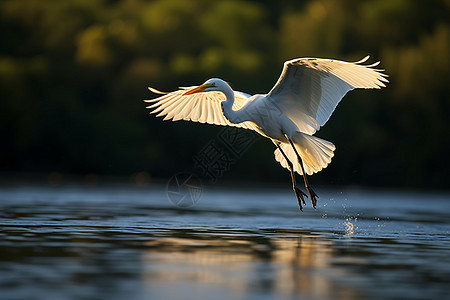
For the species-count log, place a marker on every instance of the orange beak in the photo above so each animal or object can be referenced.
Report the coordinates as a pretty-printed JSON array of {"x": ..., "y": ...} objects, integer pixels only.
[{"x": 198, "y": 89}]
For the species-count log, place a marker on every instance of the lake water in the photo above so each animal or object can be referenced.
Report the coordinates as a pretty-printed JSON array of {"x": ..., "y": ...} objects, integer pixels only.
[{"x": 123, "y": 242}]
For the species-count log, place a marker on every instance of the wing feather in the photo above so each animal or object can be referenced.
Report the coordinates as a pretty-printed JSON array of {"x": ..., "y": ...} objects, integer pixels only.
[
  {"x": 204, "y": 112},
  {"x": 200, "y": 107},
  {"x": 309, "y": 89},
  {"x": 196, "y": 111}
]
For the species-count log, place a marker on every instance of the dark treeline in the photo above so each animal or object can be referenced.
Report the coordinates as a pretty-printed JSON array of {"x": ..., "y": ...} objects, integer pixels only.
[{"x": 73, "y": 75}]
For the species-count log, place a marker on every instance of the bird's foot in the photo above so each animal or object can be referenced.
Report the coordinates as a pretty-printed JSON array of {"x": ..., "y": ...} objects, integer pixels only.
[
  {"x": 300, "y": 197},
  {"x": 313, "y": 196}
]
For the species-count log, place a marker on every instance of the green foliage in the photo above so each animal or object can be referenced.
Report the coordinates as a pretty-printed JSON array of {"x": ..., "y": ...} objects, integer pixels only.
[{"x": 73, "y": 74}]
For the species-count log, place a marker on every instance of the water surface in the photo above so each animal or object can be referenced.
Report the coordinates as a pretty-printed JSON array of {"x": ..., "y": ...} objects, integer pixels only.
[{"x": 119, "y": 242}]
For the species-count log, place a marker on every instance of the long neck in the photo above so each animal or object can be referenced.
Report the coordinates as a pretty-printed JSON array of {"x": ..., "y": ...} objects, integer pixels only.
[{"x": 227, "y": 106}]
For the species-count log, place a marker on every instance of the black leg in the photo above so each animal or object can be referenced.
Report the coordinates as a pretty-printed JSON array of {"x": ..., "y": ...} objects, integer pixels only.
[
  {"x": 312, "y": 195},
  {"x": 298, "y": 192}
]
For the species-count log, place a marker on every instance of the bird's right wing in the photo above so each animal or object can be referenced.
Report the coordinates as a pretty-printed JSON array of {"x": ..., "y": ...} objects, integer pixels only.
[
  {"x": 204, "y": 107},
  {"x": 309, "y": 89}
]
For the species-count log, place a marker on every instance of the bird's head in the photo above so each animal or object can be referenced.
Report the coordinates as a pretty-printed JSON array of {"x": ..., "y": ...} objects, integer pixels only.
[{"x": 213, "y": 84}]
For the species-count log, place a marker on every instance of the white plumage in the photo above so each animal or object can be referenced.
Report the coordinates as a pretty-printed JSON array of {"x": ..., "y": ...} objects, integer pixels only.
[
  {"x": 302, "y": 100},
  {"x": 202, "y": 107}
]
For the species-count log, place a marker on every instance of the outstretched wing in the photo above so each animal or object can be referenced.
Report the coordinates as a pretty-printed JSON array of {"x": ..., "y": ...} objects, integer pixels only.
[
  {"x": 309, "y": 89},
  {"x": 202, "y": 107}
]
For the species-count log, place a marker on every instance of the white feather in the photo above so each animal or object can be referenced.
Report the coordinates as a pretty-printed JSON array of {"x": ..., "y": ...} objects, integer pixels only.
[
  {"x": 305, "y": 95},
  {"x": 309, "y": 89}
]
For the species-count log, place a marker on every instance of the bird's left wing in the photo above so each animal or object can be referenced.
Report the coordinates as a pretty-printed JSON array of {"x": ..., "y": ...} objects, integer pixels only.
[
  {"x": 309, "y": 89},
  {"x": 202, "y": 107}
]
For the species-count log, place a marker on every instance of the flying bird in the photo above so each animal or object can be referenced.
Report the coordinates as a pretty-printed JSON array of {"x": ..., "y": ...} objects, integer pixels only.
[{"x": 302, "y": 100}]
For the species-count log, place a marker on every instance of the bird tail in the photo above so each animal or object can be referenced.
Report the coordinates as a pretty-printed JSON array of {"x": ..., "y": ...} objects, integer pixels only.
[{"x": 316, "y": 153}]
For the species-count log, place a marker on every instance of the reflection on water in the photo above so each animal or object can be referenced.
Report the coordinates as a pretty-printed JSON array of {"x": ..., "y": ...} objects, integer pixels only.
[
  {"x": 289, "y": 266},
  {"x": 112, "y": 243},
  {"x": 285, "y": 266}
]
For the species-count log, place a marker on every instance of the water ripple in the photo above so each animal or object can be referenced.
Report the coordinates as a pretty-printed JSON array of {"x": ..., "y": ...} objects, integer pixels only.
[{"x": 70, "y": 243}]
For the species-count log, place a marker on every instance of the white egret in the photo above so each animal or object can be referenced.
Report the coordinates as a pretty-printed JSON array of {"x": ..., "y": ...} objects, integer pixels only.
[{"x": 302, "y": 100}]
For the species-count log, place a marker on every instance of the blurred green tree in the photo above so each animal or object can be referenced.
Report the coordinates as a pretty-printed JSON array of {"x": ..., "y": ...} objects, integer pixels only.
[{"x": 73, "y": 74}]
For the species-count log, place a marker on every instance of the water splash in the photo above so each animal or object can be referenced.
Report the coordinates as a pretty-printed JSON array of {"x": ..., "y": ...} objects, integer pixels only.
[{"x": 349, "y": 225}]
